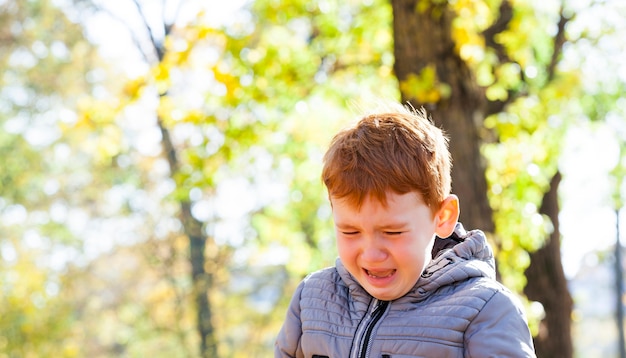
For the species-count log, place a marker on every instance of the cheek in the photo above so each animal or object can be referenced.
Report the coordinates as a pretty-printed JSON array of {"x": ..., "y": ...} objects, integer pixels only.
[
  {"x": 342, "y": 246},
  {"x": 347, "y": 249},
  {"x": 414, "y": 251}
]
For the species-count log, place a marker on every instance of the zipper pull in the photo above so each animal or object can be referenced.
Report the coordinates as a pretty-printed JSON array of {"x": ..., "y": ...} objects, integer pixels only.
[{"x": 380, "y": 305}]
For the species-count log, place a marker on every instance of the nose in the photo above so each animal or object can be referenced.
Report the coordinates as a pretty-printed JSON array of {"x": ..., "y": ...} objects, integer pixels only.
[{"x": 373, "y": 251}]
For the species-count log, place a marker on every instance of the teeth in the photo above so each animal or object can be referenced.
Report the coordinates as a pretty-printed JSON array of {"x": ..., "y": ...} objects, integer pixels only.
[{"x": 380, "y": 274}]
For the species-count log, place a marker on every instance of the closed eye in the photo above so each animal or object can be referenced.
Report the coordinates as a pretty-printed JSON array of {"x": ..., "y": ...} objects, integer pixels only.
[
  {"x": 349, "y": 232},
  {"x": 392, "y": 233}
]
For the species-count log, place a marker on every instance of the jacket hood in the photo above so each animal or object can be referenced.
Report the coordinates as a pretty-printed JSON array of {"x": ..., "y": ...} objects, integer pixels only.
[
  {"x": 459, "y": 257},
  {"x": 470, "y": 257}
]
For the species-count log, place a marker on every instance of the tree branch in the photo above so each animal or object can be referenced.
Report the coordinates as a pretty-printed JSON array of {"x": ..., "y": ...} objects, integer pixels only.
[
  {"x": 506, "y": 15},
  {"x": 158, "y": 48},
  {"x": 559, "y": 40},
  {"x": 489, "y": 34},
  {"x": 97, "y": 8},
  {"x": 167, "y": 26}
]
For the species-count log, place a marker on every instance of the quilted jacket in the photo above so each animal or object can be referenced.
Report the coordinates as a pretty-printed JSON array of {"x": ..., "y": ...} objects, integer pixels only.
[{"x": 456, "y": 309}]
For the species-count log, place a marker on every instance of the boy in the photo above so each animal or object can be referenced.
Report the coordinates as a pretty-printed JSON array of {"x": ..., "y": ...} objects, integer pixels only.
[{"x": 409, "y": 281}]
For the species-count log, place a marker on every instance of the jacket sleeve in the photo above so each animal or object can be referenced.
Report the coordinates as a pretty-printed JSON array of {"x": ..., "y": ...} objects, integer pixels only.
[
  {"x": 499, "y": 330},
  {"x": 288, "y": 340}
]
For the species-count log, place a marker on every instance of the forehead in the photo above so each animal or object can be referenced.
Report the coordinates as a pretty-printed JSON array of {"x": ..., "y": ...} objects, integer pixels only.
[
  {"x": 390, "y": 202},
  {"x": 401, "y": 210},
  {"x": 387, "y": 199}
]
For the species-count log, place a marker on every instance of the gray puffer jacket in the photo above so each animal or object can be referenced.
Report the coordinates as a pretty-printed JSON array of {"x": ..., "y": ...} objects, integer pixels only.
[{"x": 456, "y": 309}]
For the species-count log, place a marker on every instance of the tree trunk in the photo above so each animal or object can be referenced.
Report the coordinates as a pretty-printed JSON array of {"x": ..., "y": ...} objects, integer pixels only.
[
  {"x": 423, "y": 39},
  {"x": 154, "y": 53},
  {"x": 202, "y": 281},
  {"x": 547, "y": 284}
]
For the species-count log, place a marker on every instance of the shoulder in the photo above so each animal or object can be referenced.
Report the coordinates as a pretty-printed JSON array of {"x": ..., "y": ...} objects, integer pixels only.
[
  {"x": 495, "y": 295},
  {"x": 481, "y": 293},
  {"x": 334, "y": 283},
  {"x": 467, "y": 297},
  {"x": 498, "y": 322},
  {"x": 501, "y": 321},
  {"x": 500, "y": 301},
  {"x": 321, "y": 287},
  {"x": 471, "y": 299},
  {"x": 318, "y": 282},
  {"x": 306, "y": 311},
  {"x": 487, "y": 287},
  {"x": 330, "y": 290},
  {"x": 462, "y": 299}
]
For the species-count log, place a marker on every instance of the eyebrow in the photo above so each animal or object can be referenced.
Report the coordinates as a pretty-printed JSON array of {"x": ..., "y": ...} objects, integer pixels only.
[
  {"x": 388, "y": 226},
  {"x": 394, "y": 223},
  {"x": 346, "y": 226}
]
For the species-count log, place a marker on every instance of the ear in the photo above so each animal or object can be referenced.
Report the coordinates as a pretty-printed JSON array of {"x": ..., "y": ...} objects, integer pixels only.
[{"x": 447, "y": 216}]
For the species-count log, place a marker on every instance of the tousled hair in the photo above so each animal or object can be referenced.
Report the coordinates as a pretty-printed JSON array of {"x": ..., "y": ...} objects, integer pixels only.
[{"x": 397, "y": 149}]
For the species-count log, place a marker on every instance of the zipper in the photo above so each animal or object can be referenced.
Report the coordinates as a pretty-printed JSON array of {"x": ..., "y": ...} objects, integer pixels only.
[{"x": 363, "y": 335}]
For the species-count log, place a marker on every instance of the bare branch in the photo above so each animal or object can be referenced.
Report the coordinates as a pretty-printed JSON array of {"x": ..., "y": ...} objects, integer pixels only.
[
  {"x": 167, "y": 26},
  {"x": 138, "y": 44},
  {"x": 559, "y": 40},
  {"x": 500, "y": 25},
  {"x": 158, "y": 49},
  {"x": 506, "y": 15},
  {"x": 489, "y": 34}
]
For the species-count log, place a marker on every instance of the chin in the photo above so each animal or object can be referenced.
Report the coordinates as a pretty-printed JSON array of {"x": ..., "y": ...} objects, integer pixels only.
[{"x": 383, "y": 296}]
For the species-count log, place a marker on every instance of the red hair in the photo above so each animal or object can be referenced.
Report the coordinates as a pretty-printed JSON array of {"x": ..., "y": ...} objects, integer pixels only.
[{"x": 398, "y": 150}]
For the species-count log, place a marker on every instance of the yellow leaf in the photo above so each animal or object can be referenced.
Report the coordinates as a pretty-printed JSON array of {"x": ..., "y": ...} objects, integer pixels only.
[
  {"x": 161, "y": 75},
  {"x": 133, "y": 88},
  {"x": 425, "y": 86}
]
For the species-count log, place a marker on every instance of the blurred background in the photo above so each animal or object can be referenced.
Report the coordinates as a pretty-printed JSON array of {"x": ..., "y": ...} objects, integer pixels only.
[{"x": 160, "y": 160}]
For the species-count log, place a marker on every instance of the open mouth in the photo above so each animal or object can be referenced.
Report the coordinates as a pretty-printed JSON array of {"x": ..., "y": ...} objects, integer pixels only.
[{"x": 380, "y": 273}]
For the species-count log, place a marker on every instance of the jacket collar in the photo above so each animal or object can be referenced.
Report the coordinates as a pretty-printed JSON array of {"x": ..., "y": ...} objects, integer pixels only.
[{"x": 470, "y": 257}]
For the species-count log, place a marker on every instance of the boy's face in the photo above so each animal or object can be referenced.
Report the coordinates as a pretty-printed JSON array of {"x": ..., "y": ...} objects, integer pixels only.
[{"x": 386, "y": 248}]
